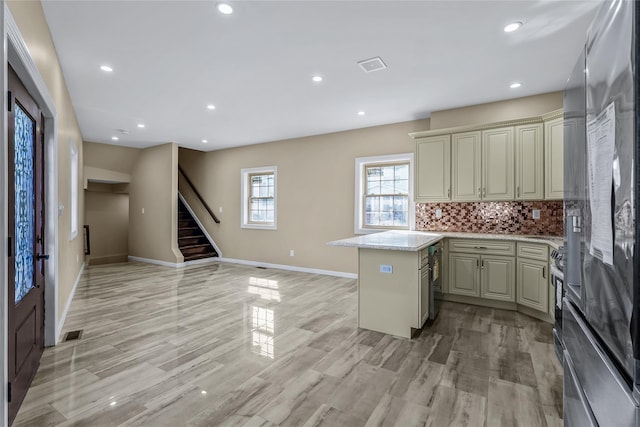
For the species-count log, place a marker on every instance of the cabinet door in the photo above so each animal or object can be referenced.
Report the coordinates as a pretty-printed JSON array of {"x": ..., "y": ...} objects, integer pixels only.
[
  {"x": 529, "y": 162},
  {"x": 465, "y": 166},
  {"x": 533, "y": 284},
  {"x": 464, "y": 274},
  {"x": 554, "y": 159},
  {"x": 433, "y": 169},
  {"x": 498, "y": 276},
  {"x": 497, "y": 164}
]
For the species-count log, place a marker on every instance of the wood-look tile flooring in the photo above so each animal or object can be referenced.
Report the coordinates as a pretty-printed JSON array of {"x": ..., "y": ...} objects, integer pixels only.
[{"x": 229, "y": 345}]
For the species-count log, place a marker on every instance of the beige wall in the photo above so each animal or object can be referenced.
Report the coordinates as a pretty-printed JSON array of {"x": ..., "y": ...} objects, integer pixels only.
[
  {"x": 154, "y": 188},
  {"x": 107, "y": 214},
  {"x": 31, "y": 22},
  {"x": 110, "y": 157},
  {"x": 497, "y": 111},
  {"x": 315, "y": 193}
]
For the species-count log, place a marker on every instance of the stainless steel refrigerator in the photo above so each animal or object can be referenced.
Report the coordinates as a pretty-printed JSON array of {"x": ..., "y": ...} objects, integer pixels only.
[{"x": 601, "y": 304}]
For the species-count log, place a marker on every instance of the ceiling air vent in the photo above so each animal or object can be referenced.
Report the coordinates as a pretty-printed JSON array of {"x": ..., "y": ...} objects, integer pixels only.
[{"x": 372, "y": 64}]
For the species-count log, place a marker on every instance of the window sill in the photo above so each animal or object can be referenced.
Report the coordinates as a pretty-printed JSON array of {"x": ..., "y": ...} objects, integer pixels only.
[
  {"x": 259, "y": 226},
  {"x": 379, "y": 230}
]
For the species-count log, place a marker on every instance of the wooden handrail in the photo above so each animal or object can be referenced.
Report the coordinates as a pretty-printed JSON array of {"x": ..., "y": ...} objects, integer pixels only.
[{"x": 195, "y": 190}]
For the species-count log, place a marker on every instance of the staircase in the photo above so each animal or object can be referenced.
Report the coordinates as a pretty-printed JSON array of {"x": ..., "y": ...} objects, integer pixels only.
[{"x": 192, "y": 241}]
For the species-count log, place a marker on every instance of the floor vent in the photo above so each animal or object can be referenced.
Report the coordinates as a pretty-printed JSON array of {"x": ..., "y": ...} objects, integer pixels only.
[
  {"x": 73, "y": 335},
  {"x": 262, "y": 268}
]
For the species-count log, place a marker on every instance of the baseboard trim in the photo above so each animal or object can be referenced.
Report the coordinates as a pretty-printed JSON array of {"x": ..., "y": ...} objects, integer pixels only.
[
  {"x": 66, "y": 308},
  {"x": 174, "y": 264},
  {"x": 290, "y": 268}
]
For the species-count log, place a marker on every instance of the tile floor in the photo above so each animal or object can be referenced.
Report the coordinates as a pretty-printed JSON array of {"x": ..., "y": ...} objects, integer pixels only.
[{"x": 229, "y": 345}]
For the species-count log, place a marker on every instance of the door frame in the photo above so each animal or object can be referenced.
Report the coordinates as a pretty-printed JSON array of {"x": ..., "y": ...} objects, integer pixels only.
[{"x": 15, "y": 52}]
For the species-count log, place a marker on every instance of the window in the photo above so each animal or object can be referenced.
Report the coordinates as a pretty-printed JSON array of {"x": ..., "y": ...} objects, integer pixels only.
[
  {"x": 259, "y": 204},
  {"x": 73, "y": 194},
  {"x": 384, "y": 193}
]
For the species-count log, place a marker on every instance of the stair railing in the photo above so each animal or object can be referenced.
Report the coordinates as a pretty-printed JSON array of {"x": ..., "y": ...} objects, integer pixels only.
[{"x": 198, "y": 195}]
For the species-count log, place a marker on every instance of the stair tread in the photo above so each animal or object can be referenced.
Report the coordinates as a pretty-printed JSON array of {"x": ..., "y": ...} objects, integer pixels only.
[
  {"x": 199, "y": 245},
  {"x": 200, "y": 256}
]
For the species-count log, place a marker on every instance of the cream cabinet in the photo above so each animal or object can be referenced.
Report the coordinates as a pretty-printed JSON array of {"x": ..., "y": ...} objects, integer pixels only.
[
  {"x": 529, "y": 162},
  {"x": 433, "y": 169},
  {"x": 533, "y": 276},
  {"x": 482, "y": 165},
  {"x": 497, "y": 278},
  {"x": 466, "y": 166},
  {"x": 464, "y": 274},
  {"x": 497, "y": 164},
  {"x": 554, "y": 159},
  {"x": 485, "y": 271}
]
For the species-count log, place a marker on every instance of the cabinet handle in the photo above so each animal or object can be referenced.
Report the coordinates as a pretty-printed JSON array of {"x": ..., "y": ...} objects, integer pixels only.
[
  {"x": 479, "y": 247},
  {"x": 479, "y": 192},
  {"x": 484, "y": 192},
  {"x": 518, "y": 191},
  {"x": 544, "y": 272},
  {"x": 449, "y": 192},
  {"x": 483, "y": 264},
  {"x": 477, "y": 263}
]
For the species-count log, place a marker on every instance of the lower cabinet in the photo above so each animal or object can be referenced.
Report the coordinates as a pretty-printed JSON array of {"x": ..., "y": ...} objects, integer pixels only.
[
  {"x": 485, "y": 276},
  {"x": 533, "y": 284},
  {"x": 497, "y": 278}
]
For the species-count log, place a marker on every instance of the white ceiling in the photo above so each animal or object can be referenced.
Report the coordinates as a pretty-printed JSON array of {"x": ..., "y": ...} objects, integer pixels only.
[{"x": 172, "y": 58}]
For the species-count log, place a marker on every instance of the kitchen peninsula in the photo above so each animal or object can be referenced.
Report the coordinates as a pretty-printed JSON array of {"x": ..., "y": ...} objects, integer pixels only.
[{"x": 499, "y": 270}]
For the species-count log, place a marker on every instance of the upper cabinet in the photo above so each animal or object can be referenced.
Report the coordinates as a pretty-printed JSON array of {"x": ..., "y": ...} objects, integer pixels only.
[
  {"x": 482, "y": 165},
  {"x": 512, "y": 160},
  {"x": 554, "y": 159},
  {"x": 466, "y": 166},
  {"x": 529, "y": 162},
  {"x": 497, "y": 164},
  {"x": 433, "y": 169}
]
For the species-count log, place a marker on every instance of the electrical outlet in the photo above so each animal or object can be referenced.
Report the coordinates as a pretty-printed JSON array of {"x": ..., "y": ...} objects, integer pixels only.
[
  {"x": 142, "y": 211},
  {"x": 536, "y": 214},
  {"x": 291, "y": 252},
  {"x": 438, "y": 213},
  {"x": 384, "y": 268}
]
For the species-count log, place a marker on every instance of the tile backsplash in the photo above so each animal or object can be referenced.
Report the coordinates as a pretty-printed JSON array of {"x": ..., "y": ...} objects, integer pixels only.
[{"x": 492, "y": 217}]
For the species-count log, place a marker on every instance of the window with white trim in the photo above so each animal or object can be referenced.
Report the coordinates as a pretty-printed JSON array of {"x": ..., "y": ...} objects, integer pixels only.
[
  {"x": 259, "y": 203},
  {"x": 384, "y": 193},
  {"x": 73, "y": 193}
]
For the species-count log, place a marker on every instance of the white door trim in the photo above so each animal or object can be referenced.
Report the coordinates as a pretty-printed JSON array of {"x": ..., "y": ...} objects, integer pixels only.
[{"x": 16, "y": 53}]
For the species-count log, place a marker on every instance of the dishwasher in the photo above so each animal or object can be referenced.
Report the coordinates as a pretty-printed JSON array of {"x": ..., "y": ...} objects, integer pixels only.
[{"x": 435, "y": 279}]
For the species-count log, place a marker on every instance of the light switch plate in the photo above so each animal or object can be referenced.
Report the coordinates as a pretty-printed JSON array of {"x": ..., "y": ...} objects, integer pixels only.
[
  {"x": 536, "y": 214},
  {"x": 384, "y": 268},
  {"x": 438, "y": 213}
]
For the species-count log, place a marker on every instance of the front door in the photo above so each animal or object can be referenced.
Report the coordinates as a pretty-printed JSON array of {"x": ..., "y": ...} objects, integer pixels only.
[{"x": 26, "y": 240}]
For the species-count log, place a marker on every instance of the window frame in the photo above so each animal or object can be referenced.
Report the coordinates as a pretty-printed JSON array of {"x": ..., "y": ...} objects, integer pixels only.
[
  {"x": 245, "y": 198},
  {"x": 74, "y": 173},
  {"x": 362, "y": 163}
]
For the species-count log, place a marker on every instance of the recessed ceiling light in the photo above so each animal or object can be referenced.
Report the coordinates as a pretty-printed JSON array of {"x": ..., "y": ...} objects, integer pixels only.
[
  {"x": 515, "y": 85},
  {"x": 317, "y": 79},
  {"x": 211, "y": 107},
  {"x": 204, "y": 141},
  {"x": 512, "y": 27},
  {"x": 225, "y": 9},
  {"x": 115, "y": 138},
  {"x": 361, "y": 113},
  {"x": 203, "y": 392},
  {"x": 141, "y": 125},
  {"x": 106, "y": 68}
]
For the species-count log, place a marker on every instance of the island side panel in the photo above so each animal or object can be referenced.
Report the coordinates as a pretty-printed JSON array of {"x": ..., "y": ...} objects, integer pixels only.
[{"x": 388, "y": 302}]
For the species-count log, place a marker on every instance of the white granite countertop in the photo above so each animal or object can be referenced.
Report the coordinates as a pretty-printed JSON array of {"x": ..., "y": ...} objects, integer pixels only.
[
  {"x": 401, "y": 240},
  {"x": 395, "y": 240}
]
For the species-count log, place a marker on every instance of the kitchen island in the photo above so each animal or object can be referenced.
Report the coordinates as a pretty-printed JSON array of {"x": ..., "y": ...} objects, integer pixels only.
[
  {"x": 496, "y": 270},
  {"x": 390, "y": 296}
]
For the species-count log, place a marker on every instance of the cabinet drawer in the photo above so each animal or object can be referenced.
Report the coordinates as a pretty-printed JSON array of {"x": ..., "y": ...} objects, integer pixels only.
[
  {"x": 533, "y": 251},
  {"x": 494, "y": 247}
]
